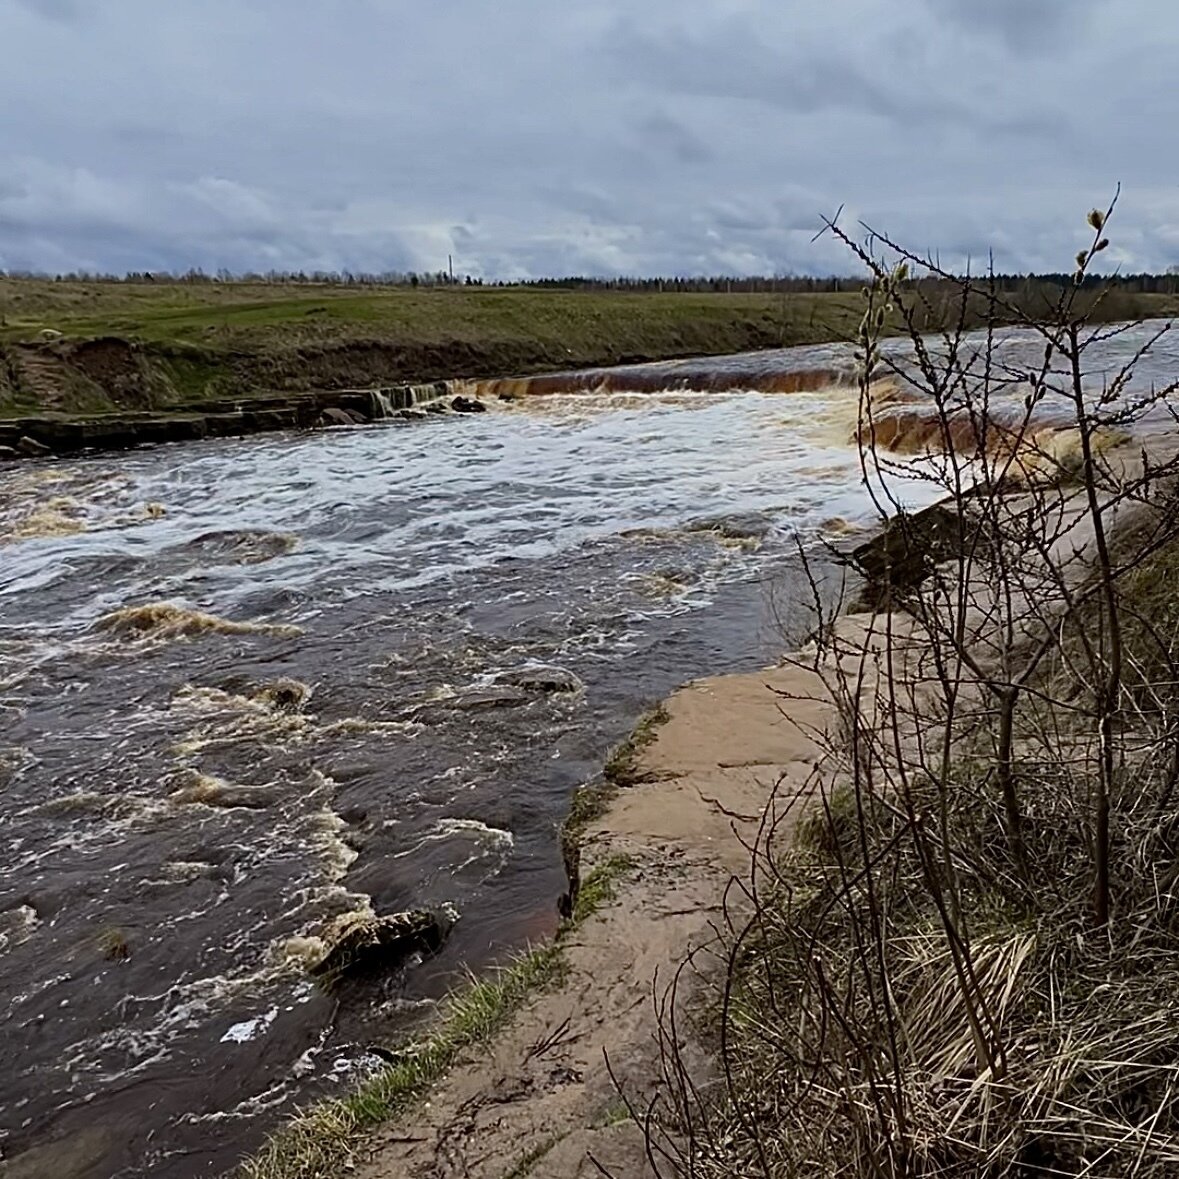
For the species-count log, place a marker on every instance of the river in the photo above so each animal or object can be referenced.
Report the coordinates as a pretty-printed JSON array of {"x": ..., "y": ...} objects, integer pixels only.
[{"x": 386, "y": 658}]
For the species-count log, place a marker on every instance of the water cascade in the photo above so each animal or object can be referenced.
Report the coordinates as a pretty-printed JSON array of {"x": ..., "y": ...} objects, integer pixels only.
[{"x": 388, "y": 401}]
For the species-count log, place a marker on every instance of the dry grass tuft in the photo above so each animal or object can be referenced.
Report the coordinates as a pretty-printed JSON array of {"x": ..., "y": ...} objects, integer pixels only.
[{"x": 1087, "y": 1080}]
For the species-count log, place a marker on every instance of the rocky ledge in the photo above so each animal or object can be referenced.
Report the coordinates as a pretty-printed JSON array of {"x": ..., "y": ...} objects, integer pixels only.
[{"x": 55, "y": 434}]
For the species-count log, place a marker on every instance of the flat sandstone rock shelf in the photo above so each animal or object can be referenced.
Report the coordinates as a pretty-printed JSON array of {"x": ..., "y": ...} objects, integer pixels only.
[{"x": 36, "y": 437}]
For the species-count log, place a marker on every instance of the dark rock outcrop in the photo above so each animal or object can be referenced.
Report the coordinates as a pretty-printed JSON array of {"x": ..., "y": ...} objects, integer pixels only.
[
  {"x": 907, "y": 550},
  {"x": 541, "y": 678},
  {"x": 467, "y": 405},
  {"x": 359, "y": 942}
]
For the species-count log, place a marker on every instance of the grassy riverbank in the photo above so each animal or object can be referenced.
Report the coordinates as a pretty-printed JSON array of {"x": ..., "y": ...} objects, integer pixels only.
[
  {"x": 77, "y": 347},
  {"x": 168, "y": 345}
]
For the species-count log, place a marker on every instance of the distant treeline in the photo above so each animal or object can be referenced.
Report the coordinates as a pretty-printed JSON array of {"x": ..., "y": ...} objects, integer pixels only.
[{"x": 1024, "y": 285}]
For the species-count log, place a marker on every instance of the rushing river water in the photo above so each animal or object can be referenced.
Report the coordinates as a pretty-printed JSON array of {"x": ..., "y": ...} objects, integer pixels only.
[{"x": 397, "y": 650}]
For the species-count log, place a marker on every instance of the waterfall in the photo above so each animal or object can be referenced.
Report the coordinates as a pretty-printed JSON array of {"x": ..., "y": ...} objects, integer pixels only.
[
  {"x": 391, "y": 399},
  {"x": 419, "y": 394}
]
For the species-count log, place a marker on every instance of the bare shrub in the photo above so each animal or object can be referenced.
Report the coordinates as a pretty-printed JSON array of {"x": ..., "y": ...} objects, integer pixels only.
[{"x": 963, "y": 959}]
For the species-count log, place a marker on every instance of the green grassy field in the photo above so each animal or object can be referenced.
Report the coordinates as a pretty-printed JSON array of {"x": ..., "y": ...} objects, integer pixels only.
[
  {"x": 195, "y": 342},
  {"x": 236, "y": 313},
  {"x": 186, "y": 342}
]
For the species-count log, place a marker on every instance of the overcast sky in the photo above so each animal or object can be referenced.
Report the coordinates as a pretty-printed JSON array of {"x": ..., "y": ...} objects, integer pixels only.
[{"x": 534, "y": 137}]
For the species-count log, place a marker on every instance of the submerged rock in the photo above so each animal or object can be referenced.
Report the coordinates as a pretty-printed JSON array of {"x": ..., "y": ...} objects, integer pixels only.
[
  {"x": 195, "y": 788},
  {"x": 665, "y": 583},
  {"x": 742, "y": 526},
  {"x": 240, "y": 546},
  {"x": 170, "y": 621},
  {"x": 283, "y": 694},
  {"x": 541, "y": 678},
  {"x": 361, "y": 942},
  {"x": 17, "y": 924},
  {"x": 475, "y": 699},
  {"x": 467, "y": 405}
]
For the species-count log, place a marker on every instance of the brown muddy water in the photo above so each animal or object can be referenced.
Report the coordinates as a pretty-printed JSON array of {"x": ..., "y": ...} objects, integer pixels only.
[{"x": 247, "y": 686}]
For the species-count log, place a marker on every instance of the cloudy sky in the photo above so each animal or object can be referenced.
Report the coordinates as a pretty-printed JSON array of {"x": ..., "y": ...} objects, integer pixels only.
[{"x": 533, "y": 137}]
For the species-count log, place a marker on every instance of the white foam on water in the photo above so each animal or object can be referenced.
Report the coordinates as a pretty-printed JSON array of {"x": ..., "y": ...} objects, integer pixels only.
[{"x": 250, "y": 1029}]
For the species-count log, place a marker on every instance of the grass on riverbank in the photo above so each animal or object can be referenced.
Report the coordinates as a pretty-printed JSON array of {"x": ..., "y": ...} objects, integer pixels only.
[
  {"x": 320, "y": 1142},
  {"x": 592, "y": 800},
  {"x": 622, "y": 766},
  {"x": 218, "y": 341},
  {"x": 271, "y": 316},
  {"x": 195, "y": 342}
]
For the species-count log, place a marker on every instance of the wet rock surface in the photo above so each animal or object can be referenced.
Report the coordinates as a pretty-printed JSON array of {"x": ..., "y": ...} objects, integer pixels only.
[
  {"x": 906, "y": 551},
  {"x": 334, "y": 415},
  {"x": 541, "y": 678},
  {"x": 31, "y": 448},
  {"x": 359, "y": 943},
  {"x": 739, "y": 526},
  {"x": 467, "y": 405}
]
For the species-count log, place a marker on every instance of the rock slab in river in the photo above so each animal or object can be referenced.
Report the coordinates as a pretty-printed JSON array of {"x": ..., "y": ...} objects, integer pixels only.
[
  {"x": 907, "y": 549},
  {"x": 359, "y": 942},
  {"x": 540, "y": 677},
  {"x": 467, "y": 405}
]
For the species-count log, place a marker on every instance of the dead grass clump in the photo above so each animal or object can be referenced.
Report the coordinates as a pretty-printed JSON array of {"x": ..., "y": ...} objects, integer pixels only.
[
  {"x": 113, "y": 945},
  {"x": 1081, "y": 1026}
]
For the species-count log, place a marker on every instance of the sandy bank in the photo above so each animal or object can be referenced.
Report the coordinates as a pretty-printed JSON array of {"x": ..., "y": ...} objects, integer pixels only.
[{"x": 543, "y": 1097}]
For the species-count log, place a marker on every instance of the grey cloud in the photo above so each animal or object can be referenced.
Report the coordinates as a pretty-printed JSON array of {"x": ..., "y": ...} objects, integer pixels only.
[
  {"x": 665, "y": 134},
  {"x": 54, "y": 9},
  {"x": 602, "y": 137},
  {"x": 1027, "y": 26},
  {"x": 742, "y": 58},
  {"x": 72, "y": 219}
]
